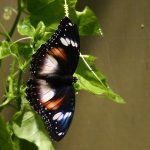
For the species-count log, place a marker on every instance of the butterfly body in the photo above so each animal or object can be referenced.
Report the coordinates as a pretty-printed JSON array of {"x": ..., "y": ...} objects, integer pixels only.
[
  {"x": 57, "y": 80},
  {"x": 50, "y": 90}
]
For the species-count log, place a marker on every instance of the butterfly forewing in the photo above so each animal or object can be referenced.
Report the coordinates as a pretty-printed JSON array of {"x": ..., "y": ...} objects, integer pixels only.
[
  {"x": 50, "y": 90},
  {"x": 60, "y": 54}
]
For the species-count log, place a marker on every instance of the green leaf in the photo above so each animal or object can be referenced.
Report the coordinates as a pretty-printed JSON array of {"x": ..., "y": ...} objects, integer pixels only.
[
  {"x": 36, "y": 6},
  {"x": 88, "y": 22},
  {"x": 88, "y": 85},
  {"x": 5, "y": 137},
  {"x": 4, "y": 49},
  {"x": 24, "y": 103},
  {"x": 113, "y": 96},
  {"x": 4, "y": 103},
  {"x": 45, "y": 10},
  {"x": 49, "y": 11},
  {"x": 26, "y": 145},
  {"x": 24, "y": 51},
  {"x": 25, "y": 28},
  {"x": 29, "y": 126},
  {"x": 41, "y": 35},
  {"x": 87, "y": 81},
  {"x": 40, "y": 30},
  {"x": 9, "y": 93}
]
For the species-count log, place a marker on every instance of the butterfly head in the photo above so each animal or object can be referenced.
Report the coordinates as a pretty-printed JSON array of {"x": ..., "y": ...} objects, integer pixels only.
[{"x": 75, "y": 79}]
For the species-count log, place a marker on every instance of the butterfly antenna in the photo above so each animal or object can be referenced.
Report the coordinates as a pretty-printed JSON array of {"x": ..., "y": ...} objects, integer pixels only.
[
  {"x": 91, "y": 70},
  {"x": 66, "y": 9}
]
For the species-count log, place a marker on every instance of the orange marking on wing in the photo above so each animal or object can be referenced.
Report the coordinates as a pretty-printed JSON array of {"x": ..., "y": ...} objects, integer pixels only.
[
  {"x": 53, "y": 104},
  {"x": 58, "y": 53}
]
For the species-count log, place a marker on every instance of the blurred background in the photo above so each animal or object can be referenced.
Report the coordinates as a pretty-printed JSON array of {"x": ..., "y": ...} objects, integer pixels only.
[{"x": 124, "y": 58}]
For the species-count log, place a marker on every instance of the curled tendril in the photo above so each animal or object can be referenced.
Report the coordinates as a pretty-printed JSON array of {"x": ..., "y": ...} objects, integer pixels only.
[{"x": 66, "y": 9}]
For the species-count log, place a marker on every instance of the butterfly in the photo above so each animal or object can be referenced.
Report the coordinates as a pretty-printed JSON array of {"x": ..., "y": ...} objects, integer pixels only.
[{"x": 50, "y": 89}]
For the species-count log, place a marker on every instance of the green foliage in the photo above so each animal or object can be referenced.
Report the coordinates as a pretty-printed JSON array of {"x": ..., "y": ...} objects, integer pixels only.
[
  {"x": 90, "y": 25},
  {"x": 4, "y": 49},
  {"x": 87, "y": 81},
  {"x": 25, "y": 130},
  {"x": 29, "y": 126},
  {"x": 5, "y": 137}
]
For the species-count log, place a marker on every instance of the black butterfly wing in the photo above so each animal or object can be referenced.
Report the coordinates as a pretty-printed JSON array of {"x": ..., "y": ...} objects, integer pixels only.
[
  {"x": 60, "y": 54},
  {"x": 55, "y": 104},
  {"x": 53, "y": 100}
]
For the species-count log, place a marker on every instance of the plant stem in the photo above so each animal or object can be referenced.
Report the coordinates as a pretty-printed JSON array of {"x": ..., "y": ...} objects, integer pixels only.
[
  {"x": 18, "y": 99},
  {"x": 18, "y": 89},
  {"x": 11, "y": 79},
  {"x": 12, "y": 70},
  {"x": 23, "y": 68},
  {"x": 16, "y": 20},
  {"x": 3, "y": 34}
]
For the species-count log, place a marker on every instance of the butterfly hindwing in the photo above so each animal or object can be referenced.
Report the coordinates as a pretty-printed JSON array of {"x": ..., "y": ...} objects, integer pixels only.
[{"x": 56, "y": 106}]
